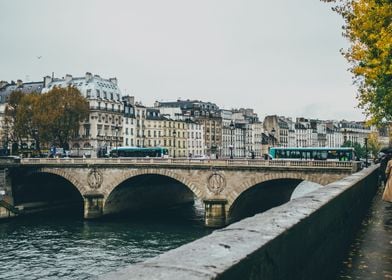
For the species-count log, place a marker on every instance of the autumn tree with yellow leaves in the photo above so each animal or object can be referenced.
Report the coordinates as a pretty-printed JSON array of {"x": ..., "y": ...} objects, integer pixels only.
[
  {"x": 368, "y": 27},
  {"x": 50, "y": 118}
]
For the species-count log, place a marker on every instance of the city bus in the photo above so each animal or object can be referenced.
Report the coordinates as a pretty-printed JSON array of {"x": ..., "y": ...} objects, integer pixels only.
[
  {"x": 153, "y": 152},
  {"x": 292, "y": 153}
]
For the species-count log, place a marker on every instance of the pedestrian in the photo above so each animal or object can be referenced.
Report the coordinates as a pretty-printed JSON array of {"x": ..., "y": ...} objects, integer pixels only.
[
  {"x": 383, "y": 166},
  {"x": 387, "y": 195}
]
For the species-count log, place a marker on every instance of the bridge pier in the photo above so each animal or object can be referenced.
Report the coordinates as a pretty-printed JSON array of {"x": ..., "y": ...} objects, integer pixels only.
[
  {"x": 7, "y": 208},
  {"x": 93, "y": 206},
  {"x": 215, "y": 213}
]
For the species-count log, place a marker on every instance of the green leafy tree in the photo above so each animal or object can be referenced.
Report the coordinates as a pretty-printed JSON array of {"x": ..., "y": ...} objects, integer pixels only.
[
  {"x": 368, "y": 27},
  {"x": 360, "y": 151}
]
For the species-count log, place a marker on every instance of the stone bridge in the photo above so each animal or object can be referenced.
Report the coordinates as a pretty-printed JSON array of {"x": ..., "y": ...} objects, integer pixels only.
[{"x": 226, "y": 187}]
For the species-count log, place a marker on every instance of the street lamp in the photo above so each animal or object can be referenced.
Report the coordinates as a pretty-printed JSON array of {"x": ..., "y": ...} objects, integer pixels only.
[
  {"x": 35, "y": 136},
  {"x": 174, "y": 143},
  {"x": 116, "y": 129},
  {"x": 231, "y": 139}
]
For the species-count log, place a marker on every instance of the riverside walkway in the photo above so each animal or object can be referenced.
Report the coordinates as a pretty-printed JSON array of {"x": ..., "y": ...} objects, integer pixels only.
[{"x": 370, "y": 255}]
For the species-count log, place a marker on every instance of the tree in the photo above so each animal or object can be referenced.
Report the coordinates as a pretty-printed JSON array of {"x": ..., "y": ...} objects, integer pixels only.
[
  {"x": 374, "y": 145},
  {"x": 10, "y": 116},
  {"x": 51, "y": 118},
  {"x": 58, "y": 115},
  {"x": 360, "y": 151},
  {"x": 368, "y": 27}
]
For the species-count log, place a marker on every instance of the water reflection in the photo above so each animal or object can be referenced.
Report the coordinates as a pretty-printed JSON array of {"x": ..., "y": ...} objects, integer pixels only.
[{"x": 45, "y": 247}]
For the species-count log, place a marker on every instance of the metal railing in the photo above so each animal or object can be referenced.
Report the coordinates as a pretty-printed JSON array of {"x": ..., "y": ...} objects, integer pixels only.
[{"x": 195, "y": 162}]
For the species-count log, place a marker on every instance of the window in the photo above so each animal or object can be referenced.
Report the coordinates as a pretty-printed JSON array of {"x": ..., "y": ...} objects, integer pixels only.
[
  {"x": 99, "y": 130},
  {"x": 88, "y": 93},
  {"x": 105, "y": 95},
  {"x": 98, "y": 93}
]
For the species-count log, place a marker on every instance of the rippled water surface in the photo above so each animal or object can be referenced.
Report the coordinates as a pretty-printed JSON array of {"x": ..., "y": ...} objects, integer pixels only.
[{"x": 43, "y": 247}]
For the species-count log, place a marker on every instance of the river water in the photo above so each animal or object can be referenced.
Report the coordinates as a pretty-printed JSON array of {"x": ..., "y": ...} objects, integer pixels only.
[{"x": 68, "y": 247}]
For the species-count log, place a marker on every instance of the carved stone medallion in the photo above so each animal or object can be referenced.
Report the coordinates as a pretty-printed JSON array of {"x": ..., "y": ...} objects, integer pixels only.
[
  {"x": 94, "y": 178},
  {"x": 216, "y": 183}
]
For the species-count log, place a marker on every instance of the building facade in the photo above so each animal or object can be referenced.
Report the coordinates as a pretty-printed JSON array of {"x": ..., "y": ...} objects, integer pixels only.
[{"x": 103, "y": 129}]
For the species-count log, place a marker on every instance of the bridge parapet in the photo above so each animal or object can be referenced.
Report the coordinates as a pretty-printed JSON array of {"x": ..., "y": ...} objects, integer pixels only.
[{"x": 346, "y": 165}]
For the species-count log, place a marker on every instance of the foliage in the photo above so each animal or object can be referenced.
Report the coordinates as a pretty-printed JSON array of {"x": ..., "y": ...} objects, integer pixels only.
[
  {"x": 10, "y": 117},
  {"x": 52, "y": 118},
  {"x": 374, "y": 145},
  {"x": 368, "y": 27},
  {"x": 59, "y": 114},
  {"x": 360, "y": 151}
]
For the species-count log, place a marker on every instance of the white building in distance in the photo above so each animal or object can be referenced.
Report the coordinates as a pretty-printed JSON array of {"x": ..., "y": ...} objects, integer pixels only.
[{"x": 104, "y": 128}]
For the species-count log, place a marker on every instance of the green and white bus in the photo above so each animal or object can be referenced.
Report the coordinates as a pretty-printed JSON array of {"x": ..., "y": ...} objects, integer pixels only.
[
  {"x": 153, "y": 152},
  {"x": 293, "y": 153}
]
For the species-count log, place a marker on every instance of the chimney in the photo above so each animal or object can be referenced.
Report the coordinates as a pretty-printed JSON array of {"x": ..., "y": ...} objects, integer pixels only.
[
  {"x": 156, "y": 104},
  {"x": 19, "y": 83},
  {"x": 68, "y": 78},
  {"x": 88, "y": 76},
  {"x": 47, "y": 81},
  {"x": 3, "y": 83},
  {"x": 129, "y": 99},
  {"x": 113, "y": 80}
]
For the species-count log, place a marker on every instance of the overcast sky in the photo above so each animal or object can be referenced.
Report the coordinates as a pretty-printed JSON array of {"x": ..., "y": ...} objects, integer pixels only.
[{"x": 278, "y": 57}]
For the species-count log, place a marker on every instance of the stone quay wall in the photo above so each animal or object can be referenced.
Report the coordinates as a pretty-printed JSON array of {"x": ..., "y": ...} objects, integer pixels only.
[{"x": 305, "y": 238}]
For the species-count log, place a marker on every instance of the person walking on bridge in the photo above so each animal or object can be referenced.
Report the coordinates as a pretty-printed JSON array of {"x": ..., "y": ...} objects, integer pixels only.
[{"x": 387, "y": 195}]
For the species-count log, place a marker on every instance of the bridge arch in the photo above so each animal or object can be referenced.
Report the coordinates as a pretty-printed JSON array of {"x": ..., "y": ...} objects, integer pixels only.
[
  {"x": 261, "y": 193},
  {"x": 64, "y": 173},
  {"x": 124, "y": 176},
  {"x": 257, "y": 180},
  {"x": 140, "y": 190},
  {"x": 47, "y": 190}
]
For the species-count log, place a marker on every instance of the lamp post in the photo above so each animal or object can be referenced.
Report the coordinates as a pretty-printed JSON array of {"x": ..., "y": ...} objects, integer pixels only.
[
  {"x": 174, "y": 143},
  {"x": 116, "y": 129},
  {"x": 366, "y": 151},
  {"x": 35, "y": 136},
  {"x": 231, "y": 139},
  {"x": 245, "y": 141}
]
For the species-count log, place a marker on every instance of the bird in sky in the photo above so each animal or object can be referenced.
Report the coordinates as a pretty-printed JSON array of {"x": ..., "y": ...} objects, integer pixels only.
[{"x": 39, "y": 57}]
